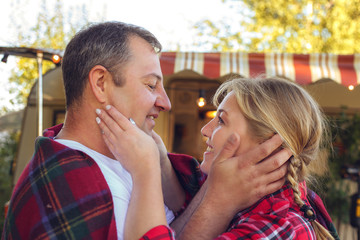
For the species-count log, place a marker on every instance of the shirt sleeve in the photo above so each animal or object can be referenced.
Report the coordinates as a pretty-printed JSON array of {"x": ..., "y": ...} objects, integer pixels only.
[
  {"x": 61, "y": 194},
  {"x": 160, "y": 232},
  {"x": 262, "y": 228},
  {"x": 190, "y": 176},
  {"x": 270, "y": 226}
]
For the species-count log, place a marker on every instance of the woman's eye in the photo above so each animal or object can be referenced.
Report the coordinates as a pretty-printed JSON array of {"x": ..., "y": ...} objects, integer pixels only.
[{"x": 220, "y": 121}]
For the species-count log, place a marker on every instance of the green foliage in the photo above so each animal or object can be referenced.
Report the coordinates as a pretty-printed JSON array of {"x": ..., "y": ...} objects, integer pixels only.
[
  {"x": 291, "y": 26},
  {"x": 346, "y": 132},
  {"x": 337, "y": 199},
  {"x": 8, "y": 146},
  {"x": 51, "y": 31}
]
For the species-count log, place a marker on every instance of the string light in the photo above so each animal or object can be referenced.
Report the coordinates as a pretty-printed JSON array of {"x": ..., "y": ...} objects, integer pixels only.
[
  {"x": 56, "y": 59},
  {"x": 210, "y": 114},
  {"x": 351, "y": 87},
  {"x": 201, "y": 101}
]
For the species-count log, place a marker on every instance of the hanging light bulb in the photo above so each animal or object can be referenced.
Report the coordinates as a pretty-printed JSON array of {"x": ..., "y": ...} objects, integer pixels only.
[
  {"x": 56, "y": 59},
  {"x": 201, "y": 101}
]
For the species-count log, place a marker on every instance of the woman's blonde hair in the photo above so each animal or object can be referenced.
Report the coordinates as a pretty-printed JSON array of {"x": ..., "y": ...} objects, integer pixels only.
[{"x": 275, "y": 105}]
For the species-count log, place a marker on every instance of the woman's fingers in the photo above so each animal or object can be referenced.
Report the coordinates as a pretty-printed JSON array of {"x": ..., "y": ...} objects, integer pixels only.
[
  {"x": 106, "y": 132},
  {"x": 119, "y": 118},
  {"x": 112, "y": 125},
  {"x": 113, "y": 119}
]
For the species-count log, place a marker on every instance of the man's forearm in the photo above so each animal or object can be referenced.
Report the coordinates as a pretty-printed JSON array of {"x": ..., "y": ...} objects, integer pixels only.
[
  {"x": 174, "y": 194},
  {"x": 206, "y": 223},
  {"x": 201, "y": 219},
  {"x": 179, "y": 223}
]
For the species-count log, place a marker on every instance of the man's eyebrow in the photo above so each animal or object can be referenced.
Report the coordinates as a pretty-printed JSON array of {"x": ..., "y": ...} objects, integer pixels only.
[{"x": 157, "y": 76}]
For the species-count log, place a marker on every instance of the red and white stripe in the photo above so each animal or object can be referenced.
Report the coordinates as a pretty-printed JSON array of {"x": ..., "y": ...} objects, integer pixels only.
[{"x": 301, "y": 68}]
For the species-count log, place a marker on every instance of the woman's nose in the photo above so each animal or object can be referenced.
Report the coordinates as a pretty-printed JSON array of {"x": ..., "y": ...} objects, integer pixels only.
[{"x": 206, "y": 130}]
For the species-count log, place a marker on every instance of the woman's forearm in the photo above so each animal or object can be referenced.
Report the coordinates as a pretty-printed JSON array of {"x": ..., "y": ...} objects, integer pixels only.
[{"x": 146, "y": 208}]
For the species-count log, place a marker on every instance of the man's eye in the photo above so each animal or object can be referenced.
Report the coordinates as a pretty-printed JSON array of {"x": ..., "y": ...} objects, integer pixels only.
[{"x": 152, "y": 87}]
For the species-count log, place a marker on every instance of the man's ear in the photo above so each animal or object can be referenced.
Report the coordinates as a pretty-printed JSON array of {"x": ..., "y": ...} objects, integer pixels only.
[{"x": 98, "y": 78}]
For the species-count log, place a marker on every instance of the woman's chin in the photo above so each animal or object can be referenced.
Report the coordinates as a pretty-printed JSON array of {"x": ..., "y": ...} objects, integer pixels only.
[{"x": 205, "y": 167}]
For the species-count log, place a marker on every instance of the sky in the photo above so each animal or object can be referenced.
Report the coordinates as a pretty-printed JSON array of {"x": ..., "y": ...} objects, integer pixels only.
[{"x": 171, "y": 21}]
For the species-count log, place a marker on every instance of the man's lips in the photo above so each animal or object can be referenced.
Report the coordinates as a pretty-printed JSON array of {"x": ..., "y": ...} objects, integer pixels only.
[{"x": 152, "y": 116}]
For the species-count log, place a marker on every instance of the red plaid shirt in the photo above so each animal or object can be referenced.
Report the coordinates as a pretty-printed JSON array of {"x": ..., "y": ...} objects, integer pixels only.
[
  {"x": 159, "y": 233},
  {"x": 62, "y": 194},
  {"x": 276, "y": 216}
]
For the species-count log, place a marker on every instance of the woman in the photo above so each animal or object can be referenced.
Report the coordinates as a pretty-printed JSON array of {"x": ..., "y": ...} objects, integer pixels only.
[{"x": 255, "y": 110}]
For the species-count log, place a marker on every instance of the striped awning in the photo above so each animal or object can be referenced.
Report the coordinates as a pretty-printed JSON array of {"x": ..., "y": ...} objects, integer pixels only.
[{"x": 301, "y": 68}]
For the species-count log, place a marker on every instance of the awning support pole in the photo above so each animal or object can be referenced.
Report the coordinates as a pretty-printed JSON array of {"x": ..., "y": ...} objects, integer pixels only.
[{"x": 39, "y": 56}]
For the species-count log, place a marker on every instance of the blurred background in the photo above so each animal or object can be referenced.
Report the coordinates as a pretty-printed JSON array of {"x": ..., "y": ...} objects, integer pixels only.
[{"x": 314, "y": 43}]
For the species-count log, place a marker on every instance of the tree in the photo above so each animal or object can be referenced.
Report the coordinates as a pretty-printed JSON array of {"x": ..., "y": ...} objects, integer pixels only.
[
  {"x": 51, "y": 31},
  {"x": 8, "y": 146},
  {"x": 300, "y": 26},
  {"x": 345, "y": 155},
  {"x": 323, "y": 26}
]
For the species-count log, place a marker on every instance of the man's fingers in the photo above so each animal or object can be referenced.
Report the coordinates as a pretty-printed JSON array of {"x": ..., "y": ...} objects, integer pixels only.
[
  {"x": 277, "y": 174},
  {"x": 275, "y": 161},
  {"x": 273, "y": 181},
  {"x": 265, "y": 149},
  {"x": 229, "y": 148},
  {"x": 271, "y": 187}
]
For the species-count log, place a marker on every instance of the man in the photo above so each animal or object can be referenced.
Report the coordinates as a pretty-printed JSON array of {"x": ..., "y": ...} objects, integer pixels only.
[{"x": 73, "y": 188}]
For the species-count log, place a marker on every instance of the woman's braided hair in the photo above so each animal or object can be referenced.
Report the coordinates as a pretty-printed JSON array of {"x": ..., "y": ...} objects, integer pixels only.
[{"x": 275, "y": 105}]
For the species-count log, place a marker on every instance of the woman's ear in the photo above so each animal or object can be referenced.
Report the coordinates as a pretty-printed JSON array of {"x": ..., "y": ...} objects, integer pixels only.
[{"x": 98, "y": 78}]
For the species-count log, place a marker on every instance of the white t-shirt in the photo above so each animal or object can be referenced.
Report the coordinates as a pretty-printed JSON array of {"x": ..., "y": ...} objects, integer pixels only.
[{"x": 119, "y": 181}]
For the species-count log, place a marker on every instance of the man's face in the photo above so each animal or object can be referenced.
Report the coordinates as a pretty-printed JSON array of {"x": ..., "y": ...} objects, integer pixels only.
[{"x": 143, "y": 96}]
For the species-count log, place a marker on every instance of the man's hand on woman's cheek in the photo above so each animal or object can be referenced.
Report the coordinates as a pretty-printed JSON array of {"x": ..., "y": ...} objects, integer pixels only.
[{"x": 237, "y": 182}]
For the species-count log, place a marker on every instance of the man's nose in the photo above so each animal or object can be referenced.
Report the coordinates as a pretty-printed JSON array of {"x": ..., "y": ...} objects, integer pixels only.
[{"x": 163, "y": 101}]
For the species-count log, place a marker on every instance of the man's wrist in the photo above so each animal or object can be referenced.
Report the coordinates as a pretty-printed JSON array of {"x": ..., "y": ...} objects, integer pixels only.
[
  {"x": 218, "y": 207},
  {"x": 208, "y": 221}
]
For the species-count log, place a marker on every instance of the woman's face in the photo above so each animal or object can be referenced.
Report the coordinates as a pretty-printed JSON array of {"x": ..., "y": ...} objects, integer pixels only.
[{"x": 229, "y": 119}]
